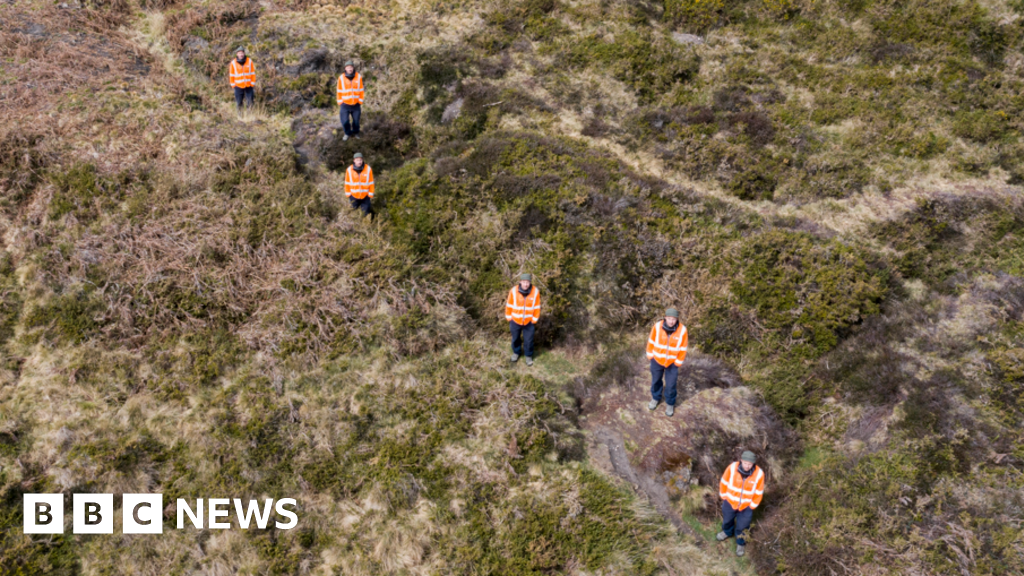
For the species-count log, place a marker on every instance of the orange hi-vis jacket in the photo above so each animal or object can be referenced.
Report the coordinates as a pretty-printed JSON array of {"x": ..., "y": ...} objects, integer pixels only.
[
  {"x": 350, "y": 91},
  {"x": 665, "y": 348},
  {"x": 359, "y": 185},
  {"x": 242, "y": 75},
  {"x": 741, "y": 493},
  {"x": 522, "y": 310}
]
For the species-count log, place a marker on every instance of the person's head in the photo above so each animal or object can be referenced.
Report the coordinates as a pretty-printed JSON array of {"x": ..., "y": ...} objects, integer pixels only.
[
  {"x": 525, "y": 280},
  {"x": 671, "y": 317},
  {"x": 357, "y": 160},
  {"x": 350, "y": 68},
  {"x": 747, "y": 460},
  {"x": 240, "y": 54}
]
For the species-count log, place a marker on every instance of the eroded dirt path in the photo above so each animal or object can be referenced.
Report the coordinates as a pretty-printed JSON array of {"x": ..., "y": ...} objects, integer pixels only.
[{"x": 608, "y": 451}]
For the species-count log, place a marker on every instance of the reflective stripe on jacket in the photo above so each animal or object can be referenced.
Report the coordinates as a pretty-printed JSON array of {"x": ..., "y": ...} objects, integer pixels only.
[
  {"x": 359, "y": 185},
  {"x": 738, "y": 492},
  {"x": 521, "y": 310},
  {"x": 350, "y": 91},
  {"x": 242, "y": 75},
  {"x": 665, "y": 348}
]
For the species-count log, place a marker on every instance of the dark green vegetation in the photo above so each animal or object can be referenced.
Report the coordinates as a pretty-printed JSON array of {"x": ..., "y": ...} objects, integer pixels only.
[
  {"x": 209, "y": 319},
  {"x": 23, "y": 556},
  {"x": 939, "y": 482}
]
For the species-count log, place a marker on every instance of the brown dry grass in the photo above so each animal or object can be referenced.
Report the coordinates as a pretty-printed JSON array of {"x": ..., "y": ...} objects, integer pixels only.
[{"x": 54, "y": 52}]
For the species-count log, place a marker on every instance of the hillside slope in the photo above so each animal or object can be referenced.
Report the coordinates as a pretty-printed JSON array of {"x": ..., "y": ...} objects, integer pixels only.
[{"x": 829, "y": 192}]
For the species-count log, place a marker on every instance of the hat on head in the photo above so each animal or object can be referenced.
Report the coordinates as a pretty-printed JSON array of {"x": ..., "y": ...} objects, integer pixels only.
[
  {"x": 527, "y": 277},
  {"x": 349, "y": 63},
  {"x": 357, "y": 155},
  {"x": 672, "y": 313},
  {"x": 239, "y": 49},
  {"x": 748, "y": 456}
]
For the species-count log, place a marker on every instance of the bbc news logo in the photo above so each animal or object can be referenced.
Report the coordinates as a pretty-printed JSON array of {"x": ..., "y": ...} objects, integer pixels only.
[{"x": 143, "y": 513}]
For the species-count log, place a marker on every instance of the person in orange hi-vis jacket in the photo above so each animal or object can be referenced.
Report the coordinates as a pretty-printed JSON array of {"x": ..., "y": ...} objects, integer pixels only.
[
  {"x": 359, "y": 185},
  {"x": 350, "y": 99},
  {"x": 522, "y": 310},
  {"x": 242, "y": 73},
  {"x": 666, "y": 349},
  {"x": 741, "y": 489}
]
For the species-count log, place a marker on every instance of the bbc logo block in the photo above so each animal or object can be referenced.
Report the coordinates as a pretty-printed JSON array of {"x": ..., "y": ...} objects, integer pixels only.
[
  {"x": 44, "y": 513},
  {"x": 93, "y": 514},
  {"x": 143, "y": 513}
]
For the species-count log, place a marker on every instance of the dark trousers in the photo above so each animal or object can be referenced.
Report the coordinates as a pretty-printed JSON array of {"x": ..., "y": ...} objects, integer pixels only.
[
  {"x": 736, "y": 522},
  {"x": 354, "y": 110},
  {"x": 522, "y": 338},
  {"x": 670, "y": 374},
  {"x": 365, "y": 204},
  {"x": 246, "y": 94}
]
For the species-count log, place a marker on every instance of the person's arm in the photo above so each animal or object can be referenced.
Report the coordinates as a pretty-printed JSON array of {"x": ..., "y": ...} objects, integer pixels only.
[
  {"x": 252, "y": 73},
  {"x": 536, "y": 308},
  {"x": 370, "y": 175},
  {"x": 232, "y": 77},
  {"x": 723, "y": 485},
  {"x": 650, "y": 342},
  {"x": 755, "y": 499},
  {"x": 339, "y": 91},
  {"x": 509, "y": 303},
  {"x": 362, "y": 89},
  {"x": 681, "y": 355},
  {"x": 348, "y": 185}
]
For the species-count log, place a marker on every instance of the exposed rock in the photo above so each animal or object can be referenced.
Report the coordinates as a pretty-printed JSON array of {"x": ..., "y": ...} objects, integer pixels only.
[
  {"x": 711, "y": 428},
  {"x": 677, "y": 482},
  {"x": 33, "y": 29},
  {"x": 716, "y": 418},
  {"x": 687, "y": 38},
  {"x": 310, "y": 137},
  {"x": 195, "y": 43},
  {"x": 192, "y": 48},
  {"x": 452, "y": 111}
]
